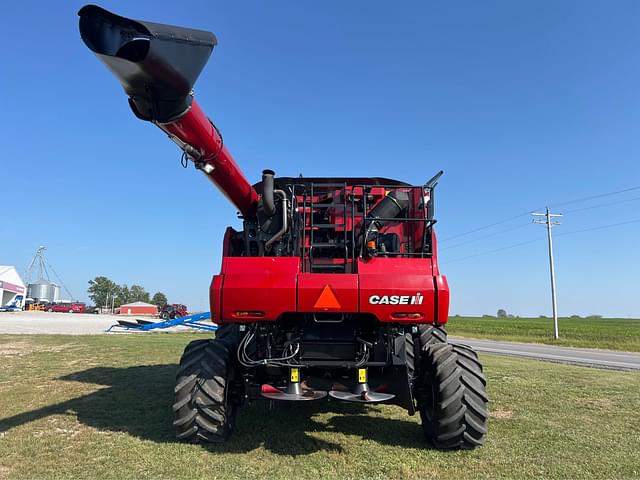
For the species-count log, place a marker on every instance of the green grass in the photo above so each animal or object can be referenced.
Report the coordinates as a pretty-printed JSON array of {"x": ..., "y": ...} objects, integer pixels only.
[
  {"x": 100, "y": 407},
  {"x": 607, "y": 333}
]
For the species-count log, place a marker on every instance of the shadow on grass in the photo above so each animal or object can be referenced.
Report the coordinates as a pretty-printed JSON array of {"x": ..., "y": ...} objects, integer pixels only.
[{"x": 137, "y": 401}]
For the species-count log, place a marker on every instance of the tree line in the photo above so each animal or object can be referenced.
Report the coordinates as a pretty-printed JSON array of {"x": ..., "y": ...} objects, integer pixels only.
[{"x": 103, "y": 292}]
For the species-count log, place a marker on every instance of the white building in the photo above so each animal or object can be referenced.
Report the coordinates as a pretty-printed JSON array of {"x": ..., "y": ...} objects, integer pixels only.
[{"x": 11, "y": 285}]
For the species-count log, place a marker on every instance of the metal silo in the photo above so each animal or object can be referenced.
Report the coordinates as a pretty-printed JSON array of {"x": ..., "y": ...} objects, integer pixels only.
[{"x": 43, "y": 291}]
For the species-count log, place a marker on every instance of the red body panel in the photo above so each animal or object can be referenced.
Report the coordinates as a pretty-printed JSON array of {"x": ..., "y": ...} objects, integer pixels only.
[
  {"x": 264, "y": 285},
  {"x": 342, "y": 297},
  {"x": 397, "y": 289},
  {"x": 195, "y": 129},
  {"x": 443, "y": 299},
  {"x": 215, "y": 298}
]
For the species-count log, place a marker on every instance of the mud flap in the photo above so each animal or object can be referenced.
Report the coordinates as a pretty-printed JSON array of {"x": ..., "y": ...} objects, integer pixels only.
[{"x": 403, "y": 361}]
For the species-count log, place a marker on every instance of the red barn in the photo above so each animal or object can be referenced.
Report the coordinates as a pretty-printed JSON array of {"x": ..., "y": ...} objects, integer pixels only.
[{"x": 138, "y": 308}]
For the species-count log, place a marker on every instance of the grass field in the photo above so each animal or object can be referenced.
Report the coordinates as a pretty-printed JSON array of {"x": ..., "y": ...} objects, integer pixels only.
[
  {"x": 608, "y": 333},
  {"x": 100, "y": 407}
]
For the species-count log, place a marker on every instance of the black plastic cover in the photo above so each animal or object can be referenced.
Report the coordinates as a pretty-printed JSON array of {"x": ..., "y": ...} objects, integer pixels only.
[
  {"x": 391, "y": 206},
  {"x": 156, "y": 64}
]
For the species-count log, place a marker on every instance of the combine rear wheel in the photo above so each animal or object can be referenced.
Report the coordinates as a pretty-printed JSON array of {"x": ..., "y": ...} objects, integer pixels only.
[
  {"x": 203, "y": 410},
  {"x": 452, "y": 398},
  {"x": 431, "y": 334},
  {"x": 230, "y": 334}
]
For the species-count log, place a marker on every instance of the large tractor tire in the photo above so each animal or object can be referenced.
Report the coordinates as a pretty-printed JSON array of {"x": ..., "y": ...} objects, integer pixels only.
[
  {"x": 431, "y": 334},
  {"x": 230, "y": 334},
  {"x": 203, "y": 409},
  {"x": 452, "y": 398}
]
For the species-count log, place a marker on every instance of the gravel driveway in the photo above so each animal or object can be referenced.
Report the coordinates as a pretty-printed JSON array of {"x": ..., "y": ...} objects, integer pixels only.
[{"x": 56, "y": 323}]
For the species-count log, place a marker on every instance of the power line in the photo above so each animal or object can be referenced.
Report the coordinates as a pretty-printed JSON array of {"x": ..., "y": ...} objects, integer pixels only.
[
  {"x": 494, "y": 251},
  {"x": 517, "y": 227},
  {"x": 524, "y": 214},
  {"x": 600, "y": 227},
  {"x": 485, "y": 227},
  {"x": 602, "y": 205},
  {"x": 584, "y": 199}
]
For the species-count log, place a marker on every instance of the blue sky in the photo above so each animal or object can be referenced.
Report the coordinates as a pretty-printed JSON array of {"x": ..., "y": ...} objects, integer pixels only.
[{"x": 523, "y": 104}]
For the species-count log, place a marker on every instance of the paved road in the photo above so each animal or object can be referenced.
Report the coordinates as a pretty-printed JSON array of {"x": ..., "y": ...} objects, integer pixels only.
[{"x": 576, "y": 356}]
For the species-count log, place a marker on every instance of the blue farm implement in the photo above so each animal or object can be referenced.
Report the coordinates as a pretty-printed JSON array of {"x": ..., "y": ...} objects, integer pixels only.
[{"x": 192, "y": 321}]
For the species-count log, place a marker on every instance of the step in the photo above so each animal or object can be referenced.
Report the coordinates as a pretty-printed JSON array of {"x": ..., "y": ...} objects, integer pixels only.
[{"x": 327, "y": 225}]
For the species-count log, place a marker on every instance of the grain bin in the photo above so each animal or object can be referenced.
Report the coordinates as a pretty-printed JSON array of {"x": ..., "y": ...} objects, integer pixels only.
[{"x": 43, "y": 291}]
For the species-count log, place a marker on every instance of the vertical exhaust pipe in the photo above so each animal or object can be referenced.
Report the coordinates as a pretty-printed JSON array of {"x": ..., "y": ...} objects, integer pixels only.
[{"x": 268, "y": 202}]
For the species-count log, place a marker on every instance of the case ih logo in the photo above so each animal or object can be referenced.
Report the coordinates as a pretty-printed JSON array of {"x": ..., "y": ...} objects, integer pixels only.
[{"x": 396, "y": 299}]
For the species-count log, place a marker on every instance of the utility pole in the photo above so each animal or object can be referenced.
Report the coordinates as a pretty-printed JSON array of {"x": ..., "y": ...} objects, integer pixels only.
[{"x": 549, "y": 222}]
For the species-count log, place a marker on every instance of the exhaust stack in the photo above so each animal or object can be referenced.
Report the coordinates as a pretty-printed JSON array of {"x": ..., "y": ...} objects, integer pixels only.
[{"x": 157, "y": 66}]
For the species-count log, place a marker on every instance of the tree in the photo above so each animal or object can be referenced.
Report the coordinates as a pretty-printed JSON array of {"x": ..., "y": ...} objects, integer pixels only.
[
  {"x": 101, "y": 290},
  {"x": 502, "y": 313},
  {"x": 124, "y": 296},
  {"x": 138, "y": 294},
  {"x": 159, "y": 299}
]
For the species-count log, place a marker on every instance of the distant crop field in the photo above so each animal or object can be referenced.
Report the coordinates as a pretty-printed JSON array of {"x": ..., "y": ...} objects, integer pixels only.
[
  {"x": 100, "y": 407},
  {"x": 609, "y": 333}
]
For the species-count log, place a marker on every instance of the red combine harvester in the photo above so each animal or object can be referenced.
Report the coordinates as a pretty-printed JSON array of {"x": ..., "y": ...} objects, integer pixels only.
[{"x": 331, "y": 287}]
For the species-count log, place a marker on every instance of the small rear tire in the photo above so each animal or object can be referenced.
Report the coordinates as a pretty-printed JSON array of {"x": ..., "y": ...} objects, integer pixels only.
[
  {"x": 203, "y": 409},
  {"x": 452, "y": 398}
]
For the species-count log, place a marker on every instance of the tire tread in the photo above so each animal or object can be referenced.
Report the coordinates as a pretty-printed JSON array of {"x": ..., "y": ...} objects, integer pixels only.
[
  {"x": 456, "y": 417},
  {"x": 201, "y": 412}
]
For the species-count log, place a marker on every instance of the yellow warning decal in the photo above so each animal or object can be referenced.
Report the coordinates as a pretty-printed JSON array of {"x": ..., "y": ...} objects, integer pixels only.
[
  {"x": 295, "y": 375},
  {"x": 362, "y": 375}
]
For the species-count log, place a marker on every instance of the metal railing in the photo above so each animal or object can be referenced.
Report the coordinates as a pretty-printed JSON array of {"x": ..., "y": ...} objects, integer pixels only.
[{"x": 357, "y": 209}]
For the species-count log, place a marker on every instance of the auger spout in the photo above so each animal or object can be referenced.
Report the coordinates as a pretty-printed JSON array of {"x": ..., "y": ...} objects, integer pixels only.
[{"x": 157, "y": 66}]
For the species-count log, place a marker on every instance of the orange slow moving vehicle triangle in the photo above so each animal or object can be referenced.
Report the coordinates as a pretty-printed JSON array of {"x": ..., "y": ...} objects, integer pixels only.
[{"x": 327, "y": 300}]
